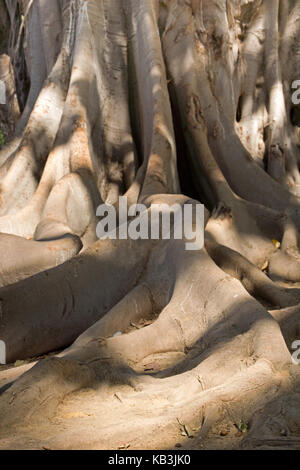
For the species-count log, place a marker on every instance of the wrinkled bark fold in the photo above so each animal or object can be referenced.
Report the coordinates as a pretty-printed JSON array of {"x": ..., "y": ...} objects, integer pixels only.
[{"x": 162, "y": 101}]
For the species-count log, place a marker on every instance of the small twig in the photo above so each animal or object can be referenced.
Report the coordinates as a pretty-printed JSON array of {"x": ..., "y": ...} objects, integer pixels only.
[{"x": 118, "y": 398}]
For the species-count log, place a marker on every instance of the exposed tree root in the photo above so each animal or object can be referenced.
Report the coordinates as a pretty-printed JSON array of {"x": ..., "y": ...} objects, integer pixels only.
[{"x": 152, "y": 336}]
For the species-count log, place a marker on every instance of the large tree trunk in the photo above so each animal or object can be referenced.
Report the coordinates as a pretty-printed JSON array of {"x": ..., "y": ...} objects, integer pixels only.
[{"x": 161, "y": 101}]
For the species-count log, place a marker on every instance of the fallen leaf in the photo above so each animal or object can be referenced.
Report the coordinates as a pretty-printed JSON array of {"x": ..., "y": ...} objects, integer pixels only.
[
  {"x": 242, "y": 426},
  {"x": 124, "y": 447},
  {"x": 185, "y": 430},
  {"x": 276, "y": 243},
  {"x": 197, "y": 429}
]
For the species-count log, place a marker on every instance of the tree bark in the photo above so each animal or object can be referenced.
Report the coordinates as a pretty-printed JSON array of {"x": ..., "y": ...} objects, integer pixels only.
[{"x": 164, "y": 101}]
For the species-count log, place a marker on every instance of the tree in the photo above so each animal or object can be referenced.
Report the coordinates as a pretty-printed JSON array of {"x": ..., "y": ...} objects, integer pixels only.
[{"x": 164, "y": 101}]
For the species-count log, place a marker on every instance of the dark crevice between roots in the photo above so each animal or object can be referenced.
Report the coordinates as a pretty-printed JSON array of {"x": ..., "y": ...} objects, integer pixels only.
[
  {"x": 9, "y": 47},
  {"x": 239, "y": 109},
  {"x": 295, "y": 115},
  {"x": 134, "y": 109},
  {"x": 22, "y": 79},
  {"x": 5, "y": 387},
  {"x": 188, "y": 177}
]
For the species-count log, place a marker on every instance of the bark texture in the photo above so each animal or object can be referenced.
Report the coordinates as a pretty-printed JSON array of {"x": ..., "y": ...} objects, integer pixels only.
[{"x": 164, "y": 101}]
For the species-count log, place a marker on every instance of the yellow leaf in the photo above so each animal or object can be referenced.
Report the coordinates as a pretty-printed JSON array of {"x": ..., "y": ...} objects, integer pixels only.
[{"x": 276, "y": 243}]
